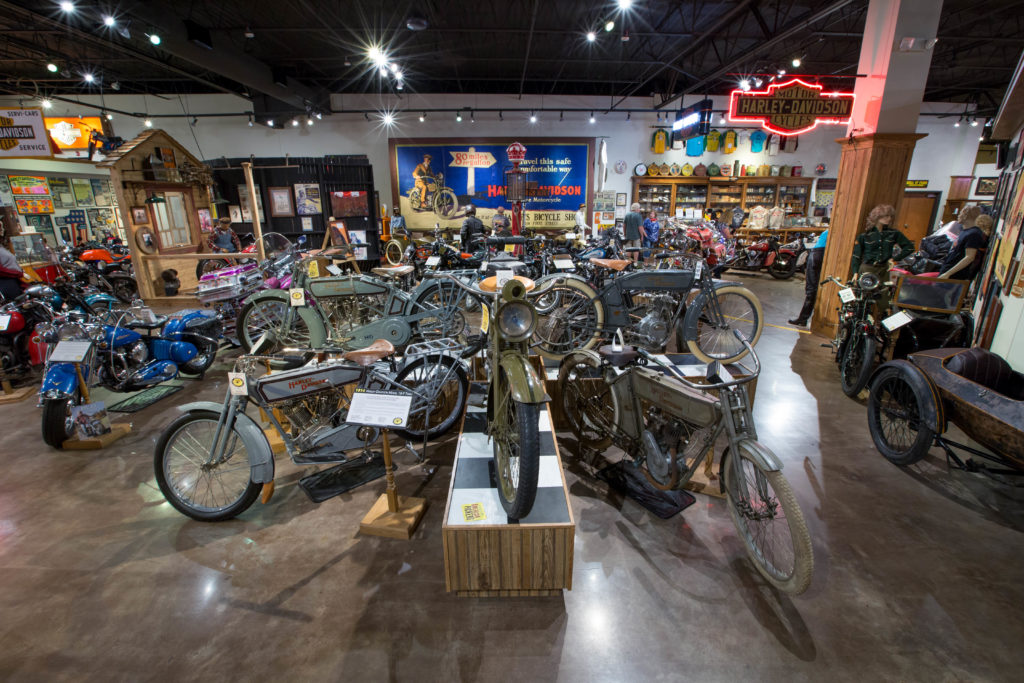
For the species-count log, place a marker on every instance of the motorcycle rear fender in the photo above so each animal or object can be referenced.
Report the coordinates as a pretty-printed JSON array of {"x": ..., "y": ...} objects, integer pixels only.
[
  {"x": 932, "y": 413},
  {"x": 767, "y": 460},
  {"x": 526, "y": 386},
  {"x": 693, "y": 309},
  {"x": 314, "y": 323},
  {"x": 261, "y": 457}
]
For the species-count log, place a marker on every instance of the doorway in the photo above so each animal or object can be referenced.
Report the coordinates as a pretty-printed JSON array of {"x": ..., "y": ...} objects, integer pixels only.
[{"x": 917, "y": 214}]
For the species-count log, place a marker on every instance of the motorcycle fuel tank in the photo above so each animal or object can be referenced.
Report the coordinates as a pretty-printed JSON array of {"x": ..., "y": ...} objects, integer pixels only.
[
  {"x": 346, "y": 286},
  {"x": 119, "y": 336},
  {"x": 12, "y": 323},
  {"x": 284, "y": 386}
]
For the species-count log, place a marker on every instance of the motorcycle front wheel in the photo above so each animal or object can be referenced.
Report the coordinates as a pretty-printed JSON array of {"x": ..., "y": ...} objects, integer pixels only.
[
  {"x": 394, "y": 252},
  {"x": 783, "y": 267},
  {"x": 738, "y": 309},
  {"x": 58, "y": 426},
  {"x": 190, "y": 483},
  {"x": 769, "y": 521},
  {"x": 857, "y": 363},
  {"x": 444, "y": 386},
  {"x": 452, "y": 303},
  {"x": 209, "y": 265},
  {"x": 269, "y": 315},
  {"x": 586, "y": 400},
  {"x": 516, "y": 446},
  {"x": 445, "y": 203},
  {"x": 573, "y": 323}
]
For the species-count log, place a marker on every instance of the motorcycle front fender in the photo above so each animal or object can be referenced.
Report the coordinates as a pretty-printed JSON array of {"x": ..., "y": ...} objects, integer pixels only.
[
  {"x": 311, "y": 316},
  {"x": 60, "y": 381},
  {"x": 693, "y": 309},
  {"x": 525, "y": 384},
  {"x": 767, "y": 460},
  {"x": 261, "y": 456}
]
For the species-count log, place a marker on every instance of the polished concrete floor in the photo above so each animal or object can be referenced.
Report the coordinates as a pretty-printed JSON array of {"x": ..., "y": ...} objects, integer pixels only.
[{"x": 918, "y": 572}]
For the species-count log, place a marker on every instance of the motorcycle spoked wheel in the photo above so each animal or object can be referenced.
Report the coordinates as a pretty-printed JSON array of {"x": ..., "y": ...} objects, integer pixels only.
[
  {"x": 740, "y": 309},
  {"x": 445, "y": 384},
  {"x": 196, "y": 489},
  {"x": 415, "y": 199},
  {"x": 394, "y": 253},
  {"x": 445, "y": 203},
  {"x": 857, "y": 363},
  {"x": 586, "y": 400},
  {"x": 58, "y": 426},
  {"x": 452, "y": 303},
  {"x": 263, "y": 315},
  {"x": 209, "y": 265},
  {"x": 206, "y": 354},
  {"x": 573, "y": 324},
  {"x": 516, "y": 448}
]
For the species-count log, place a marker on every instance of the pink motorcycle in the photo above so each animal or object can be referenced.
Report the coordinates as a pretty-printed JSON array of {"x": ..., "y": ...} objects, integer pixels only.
[{"x": 226, "y": 288}]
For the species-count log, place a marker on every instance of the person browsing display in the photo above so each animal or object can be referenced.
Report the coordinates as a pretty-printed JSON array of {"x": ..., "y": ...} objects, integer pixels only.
[
  {"x": 500, "y": 223},
  {"x": 631, "y": 227},
  {"x": 472, "y": 228},
  {"x": 652, "y": 229},
  {"x": 964, "y": 260},
  {"x": 581, "y": 228}
]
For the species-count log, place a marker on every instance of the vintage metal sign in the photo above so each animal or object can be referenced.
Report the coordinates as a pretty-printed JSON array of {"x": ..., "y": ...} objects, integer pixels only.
[
  {"x": 22, "y": 134},
  {"x": 790, "y": 108}
]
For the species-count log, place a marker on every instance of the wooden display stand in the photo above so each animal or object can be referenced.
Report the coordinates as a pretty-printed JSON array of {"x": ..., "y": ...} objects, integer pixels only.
[
  {"x": 95, "y": 442},
  {"x": 10, "y": 394},
  {"x": 392, "y": 516},
  {"x": 488, "y": 557}
]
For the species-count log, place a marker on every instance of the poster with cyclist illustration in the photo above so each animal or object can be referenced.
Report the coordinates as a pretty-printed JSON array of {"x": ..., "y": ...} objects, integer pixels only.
[{"x": 433, "y": 180}]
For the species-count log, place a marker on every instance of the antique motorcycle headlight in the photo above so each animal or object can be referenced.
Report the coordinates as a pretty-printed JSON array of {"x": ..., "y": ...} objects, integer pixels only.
[
  {"x": 72, "y": 332},
  {"x": 867, "y": 281},
  {"x": 516, "y": 320},
  {"x": 95, "y": 332}
]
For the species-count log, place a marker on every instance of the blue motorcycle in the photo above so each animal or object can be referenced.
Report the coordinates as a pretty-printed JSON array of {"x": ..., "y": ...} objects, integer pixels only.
[
  {"x": 127, "y": 351},
  {"x": 83, "y": 300}
]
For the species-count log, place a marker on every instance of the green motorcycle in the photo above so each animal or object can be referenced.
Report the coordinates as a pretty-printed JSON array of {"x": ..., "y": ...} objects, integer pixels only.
[{"x": 515, "y": 392}]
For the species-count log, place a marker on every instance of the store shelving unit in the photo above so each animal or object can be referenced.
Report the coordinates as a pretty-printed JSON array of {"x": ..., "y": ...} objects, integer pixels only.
[
  {"x": 722, "y": 193},
  {"x": 794, "y": 197},
  {"x": 724, "y": 196}
]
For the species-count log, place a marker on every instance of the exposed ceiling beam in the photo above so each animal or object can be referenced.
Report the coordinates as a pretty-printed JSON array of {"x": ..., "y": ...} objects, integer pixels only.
[{"x": 529, "y": 43}]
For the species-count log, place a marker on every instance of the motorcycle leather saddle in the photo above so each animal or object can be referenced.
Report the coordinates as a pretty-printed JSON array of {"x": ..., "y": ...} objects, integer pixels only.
[
  {"x": 620, "y": 357},
  {"x": 157, "y": 323},
  {"x": 610, "y": 263},
  {"x": 381, "y": 348}
]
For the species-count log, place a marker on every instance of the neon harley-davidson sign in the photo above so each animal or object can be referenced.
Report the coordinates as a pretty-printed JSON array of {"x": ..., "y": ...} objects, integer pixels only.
[{"x": 790, "y": 108}]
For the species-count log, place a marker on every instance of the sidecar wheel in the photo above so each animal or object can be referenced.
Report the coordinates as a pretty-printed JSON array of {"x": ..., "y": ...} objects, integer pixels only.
[
  {"x": 394, "y": 252},
  {"x": 896, "y": 417},
  {"x": 207, "y": 494}
]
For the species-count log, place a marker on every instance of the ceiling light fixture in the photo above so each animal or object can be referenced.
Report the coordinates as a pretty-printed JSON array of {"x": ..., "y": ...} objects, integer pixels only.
[
  {"x": 309, "y": 122},
  {"x": 609, "y": 26},
  {"x": 377, "y": 55},
  {"x": 250, "y": 120},
  {"x": 67, "y": 6},
  {"x": 625, "y": 4},
  {"x": 981, "y": 138},
  {"x": 46, "y": 103},
  {"x": 758, "y": 82},
  {"x": 295, "y": 123},
  {"x": 399, "y": 86},
  {"x": 366, "y": 116},
  {"x": 423, "y": 117},
  {"x": 109, "y": 20},
  {"x": 148, "y": 123},
  {"x": 51, "y": 67},
  {"x": 270, "y": 123},
  {"x": 472, "y": 119},
  {"x": 394, "y": 68},
  {"x": 561, "y": 116},
  {"x": 319, "y": 116},
  {"x": 109, "y": 116},
  {"x": 383, "y": 70},
  {"x": 591, "y": 36},
  {"x": 533, "y": 117},
  {"x": 458, "y": 117},
  {"x": 956, "y": 124},
  {"x": 629, "y": 115},
  {"x": 88, "y": 77},
  {"x": 796, "y": 62},
  {"x": 782, "y": 72},
  {"x": 348, "y": 62},
  {"x": 592, "y": 119},
  {"x": 388, "y": 118},
  {"x": 974, "y": 123},
  {"x": 744, "y": 84},
  {"x": 154, "y": 38}
]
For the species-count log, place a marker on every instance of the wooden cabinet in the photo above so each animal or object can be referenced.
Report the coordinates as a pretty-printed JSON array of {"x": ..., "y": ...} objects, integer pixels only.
[{"x": 665, "y": 195}]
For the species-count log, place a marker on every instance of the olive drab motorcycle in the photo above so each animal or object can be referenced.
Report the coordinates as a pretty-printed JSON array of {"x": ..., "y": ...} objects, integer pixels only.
[
  {"x": 351, "y": 312},
  {"x": 438, "y": 197}
]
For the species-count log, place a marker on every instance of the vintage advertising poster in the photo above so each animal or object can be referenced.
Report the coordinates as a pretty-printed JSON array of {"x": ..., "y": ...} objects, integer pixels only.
[
  {"x": 23, "y": 134},
  {"x": 60, "y": 191},
  {"x": 28, "y": 185},
  {"x": 83, "y": 191},
  {"x": 30, "y": 204},
  {"x": 349, "y": 204},
  {"x": 307, "y": 199},
  {"x": 433, "y": 180},
  {"x": 100, "y": 192},
  {"x": 243, "y": 201},
  {"x": 101, "y": 219},
  {"x": 205, "y": 220}
]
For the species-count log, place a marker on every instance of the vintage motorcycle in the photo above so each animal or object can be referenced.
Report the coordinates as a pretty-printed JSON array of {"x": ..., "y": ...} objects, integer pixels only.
[
  {"x": 351, "y": 311},
  {"x": 439, "y": 197},
  {"x": 21, "y": 349},
  {"x": 648, "y": 306},
  {"x": 515, "y": 392},
  {"x": 120, "y": 357},
  {"x": 214, "y": 263},
  {"x": 764, "y": 254},
  {"x": 212, "y": 462},
  {"x": 111, "y": 279},
  {"x": 666, "y": 424}
]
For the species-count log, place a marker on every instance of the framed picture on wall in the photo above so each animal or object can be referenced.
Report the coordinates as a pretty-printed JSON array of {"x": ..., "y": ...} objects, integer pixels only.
[
  {"x": 235, "y": 213},
  {"x": 83, "y": 191},
  {"x": 41, "y": 223},
  {"x": 620, "y": 199},
  {"x": 205, "y": 220},
  {"x": 139, "y": 215},
  {"x": 243, "y": 201},
  {"x": 338, "y": 234},
  {"x": 986, "y": 187},
  {"x": 307, "y": 199},
  {"x": 281, "y": 205},
  {"x": 60, "y": 191},
  {"x": 100, "y": 192}
]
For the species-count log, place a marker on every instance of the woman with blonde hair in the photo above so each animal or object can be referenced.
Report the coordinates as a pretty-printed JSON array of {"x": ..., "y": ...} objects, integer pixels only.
[
  {"x": 964, "y": 260},
  {"x": 877, "y": 245}
]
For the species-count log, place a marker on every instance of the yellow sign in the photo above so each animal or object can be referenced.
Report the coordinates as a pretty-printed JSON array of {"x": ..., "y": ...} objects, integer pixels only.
[
  {"x": 485, "y": 319},
  {"x": 917, "y": 183},
  {"x": 474, "y": 512},
  {"x": 314, "y": 269}
]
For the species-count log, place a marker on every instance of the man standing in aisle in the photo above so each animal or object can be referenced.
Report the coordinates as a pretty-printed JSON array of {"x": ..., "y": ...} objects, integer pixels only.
[
  {"x": 815, "y": 257},
  {"x": 500, "y": 223},
  {"x": 581, "y": 222},
  {"x": 472, "y": 229},
  {"x": 631, "y": 227}
]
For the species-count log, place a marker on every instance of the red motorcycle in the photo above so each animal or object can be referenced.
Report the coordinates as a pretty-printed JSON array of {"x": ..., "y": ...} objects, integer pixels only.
[
  {"x": 764, "y": 254},
  {"x": 20, "y": 348}
]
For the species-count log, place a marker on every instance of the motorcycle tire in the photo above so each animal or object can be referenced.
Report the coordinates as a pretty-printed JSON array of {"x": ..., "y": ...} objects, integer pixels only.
[
  {"x": 394, "y": 253},
  {"x": 448, "y": 296},
  {"x": 415, "y": 200},
  {"x": 247, "y": 490},
  {"x": 783, "y": 267},
  {"x": 857, "y": 363},
  {"x": 446, "y": 203},
  {"x": 124, "y": 288},
  {"x": 736, "y": 304},
  {"x": 207, "y": 353},
  {"x": 574, "y": 324},
  {"x": 516, "y": 465},
  {"x": 299, "y": 334},
  {"x": 209, "y": 265},
  {"x": 586, "y": 400},
  {"x": 448, "y": 399},
  {"x": 57, "y": 424},
  {"x": 895, "y": 417}
]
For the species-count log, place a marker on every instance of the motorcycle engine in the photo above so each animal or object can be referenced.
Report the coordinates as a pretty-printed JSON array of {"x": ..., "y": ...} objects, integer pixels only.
[
  {"x": 654, "y": 327},
  {"x": 660, "y": 440},
  {"x": 313, "y": 414}
]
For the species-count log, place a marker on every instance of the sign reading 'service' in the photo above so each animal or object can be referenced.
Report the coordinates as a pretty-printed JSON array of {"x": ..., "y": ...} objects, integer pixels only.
[{"x": 790, "y": 108}]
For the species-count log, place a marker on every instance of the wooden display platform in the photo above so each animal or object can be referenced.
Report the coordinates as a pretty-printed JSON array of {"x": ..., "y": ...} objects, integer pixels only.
[
  {"x": 15, "y": 395},
  {"x": 484, "y": 555},
  {"x": 117, "y": 431}
]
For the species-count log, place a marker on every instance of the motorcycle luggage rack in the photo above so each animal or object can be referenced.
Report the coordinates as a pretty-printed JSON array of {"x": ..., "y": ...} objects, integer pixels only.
[{"x": 446, "y": 346}]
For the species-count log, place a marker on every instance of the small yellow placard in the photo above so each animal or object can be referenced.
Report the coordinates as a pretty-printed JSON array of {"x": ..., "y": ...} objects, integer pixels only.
[
  {"x": 474, "y": 512},
  {"x": 510, "y": 248},
  {"x": 485, "y": 318},
  {"x": 314, "y": 269}
]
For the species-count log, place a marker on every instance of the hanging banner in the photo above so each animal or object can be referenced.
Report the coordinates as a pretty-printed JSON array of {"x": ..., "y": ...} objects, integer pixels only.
[
  {"x": 434, "y": 180},
  {"x": 23, "y": 134},
  {"x": 790, "y": 108}
]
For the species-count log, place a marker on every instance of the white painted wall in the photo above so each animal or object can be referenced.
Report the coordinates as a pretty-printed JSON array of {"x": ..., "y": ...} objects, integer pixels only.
[{"x": 944, "y": 152}]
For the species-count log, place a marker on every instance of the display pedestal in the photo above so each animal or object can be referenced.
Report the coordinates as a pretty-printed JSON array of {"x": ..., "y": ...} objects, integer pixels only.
[
  {"x": 484, "y": 555},
  {"x": 10, "y": 395},
  {"x": 97, "y": 442},
  {"x": 392, "y": 516}
]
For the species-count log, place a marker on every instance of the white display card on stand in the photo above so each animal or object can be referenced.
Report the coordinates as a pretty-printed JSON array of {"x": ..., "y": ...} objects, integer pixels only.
[{"x": 379, "y": 408}]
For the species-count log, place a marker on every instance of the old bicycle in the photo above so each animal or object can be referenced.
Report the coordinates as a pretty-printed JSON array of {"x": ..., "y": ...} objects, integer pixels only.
[{"x": 666, "y": 424}]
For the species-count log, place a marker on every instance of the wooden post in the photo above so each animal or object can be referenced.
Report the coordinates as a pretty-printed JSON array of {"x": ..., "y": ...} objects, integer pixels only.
[
  {"x": 392, "y": 516},
  {"x": 255, "y": 204}
]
